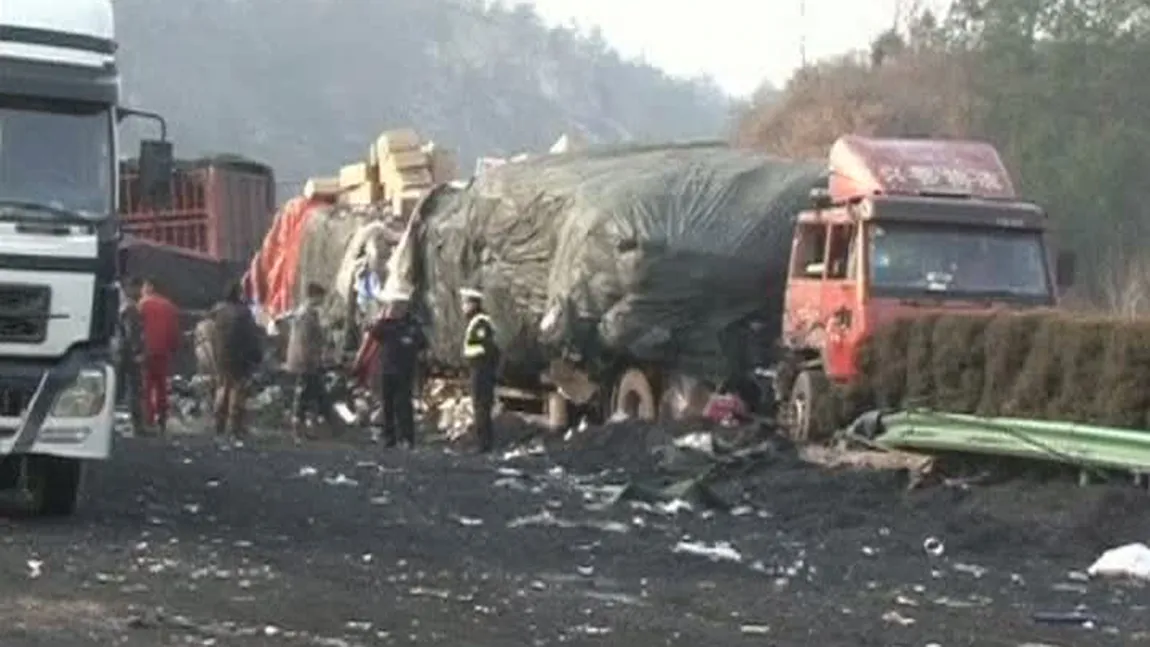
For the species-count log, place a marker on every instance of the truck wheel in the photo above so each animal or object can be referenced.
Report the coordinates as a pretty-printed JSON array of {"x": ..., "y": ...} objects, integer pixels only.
[
  {"x": 54, "y": 484},
  {"x": 808, "y": 394},
  {"x": 634, "y": 397}
]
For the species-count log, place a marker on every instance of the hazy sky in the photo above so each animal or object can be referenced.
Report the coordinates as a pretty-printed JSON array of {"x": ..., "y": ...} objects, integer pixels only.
[{"x": 737, "y": 42}]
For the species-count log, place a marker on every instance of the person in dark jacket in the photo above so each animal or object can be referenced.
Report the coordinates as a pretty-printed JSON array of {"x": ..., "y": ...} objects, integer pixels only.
[
  {"x": 305, "y": 360},
  {"x": 131, "y": 352},
  {"x": 482, "y": 356},
  {"x": 238, "y": 354},
  {"x": 400, "y": 340}
]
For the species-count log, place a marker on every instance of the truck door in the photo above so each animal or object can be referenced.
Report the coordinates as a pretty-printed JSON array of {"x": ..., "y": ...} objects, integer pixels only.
[
  {"x": 839, "y": 308},
  {"x": 802, "y": 314}
]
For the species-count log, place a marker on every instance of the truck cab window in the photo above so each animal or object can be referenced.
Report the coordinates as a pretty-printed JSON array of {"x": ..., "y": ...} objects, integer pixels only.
[
  {"x": 841, "y": 255},
  {"x": 58, "y": 155},
  {"x": 810, "y": 259}
]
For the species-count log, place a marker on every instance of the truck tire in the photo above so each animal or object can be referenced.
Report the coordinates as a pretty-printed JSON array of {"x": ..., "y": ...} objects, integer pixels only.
[
  {"x": 54, "y": 484},
  {"x": 810, "y": 391},
  {"x": 634, "y": 397}
]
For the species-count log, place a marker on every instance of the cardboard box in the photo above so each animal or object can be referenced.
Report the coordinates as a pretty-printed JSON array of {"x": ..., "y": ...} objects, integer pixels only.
[
  {"x": 443, "y": 165},
  {"x": 323, "y": 188},
  {"x": 393, "y": 141},
  {"x": 364, "y": 194},
  {"x": 354, "y": 175}
]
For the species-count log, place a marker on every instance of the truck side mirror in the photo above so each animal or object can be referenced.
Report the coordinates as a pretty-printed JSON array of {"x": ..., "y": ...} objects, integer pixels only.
[
  {"x": 156, "y": 166},
  {"x": 1064, "y": 269}
]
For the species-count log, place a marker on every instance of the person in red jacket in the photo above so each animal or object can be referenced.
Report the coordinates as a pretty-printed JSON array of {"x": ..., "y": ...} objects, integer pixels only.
[{"x": 161, "y": 324}]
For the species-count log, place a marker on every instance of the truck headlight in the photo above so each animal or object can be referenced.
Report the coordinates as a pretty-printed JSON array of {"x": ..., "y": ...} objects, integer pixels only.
[{"x": 84, "y": 398}]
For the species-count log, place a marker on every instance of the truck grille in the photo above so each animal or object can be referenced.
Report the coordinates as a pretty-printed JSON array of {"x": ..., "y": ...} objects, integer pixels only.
[
  {"x": 24, "y": 313},
  {"x": 15, "y": 399}
]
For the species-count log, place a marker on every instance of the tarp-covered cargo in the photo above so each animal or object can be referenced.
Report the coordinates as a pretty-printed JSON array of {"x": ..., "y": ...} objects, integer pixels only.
[
  {"x": 336, "y": 246},
  {"x": 651, "y": 254}
]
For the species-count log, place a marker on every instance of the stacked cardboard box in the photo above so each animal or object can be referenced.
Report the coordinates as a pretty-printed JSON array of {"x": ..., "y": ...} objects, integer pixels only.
[{"x": 401, "y": 168}]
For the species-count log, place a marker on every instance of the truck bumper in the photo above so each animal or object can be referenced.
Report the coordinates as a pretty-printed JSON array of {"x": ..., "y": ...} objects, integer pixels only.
[{"x": 65, "y": 409}]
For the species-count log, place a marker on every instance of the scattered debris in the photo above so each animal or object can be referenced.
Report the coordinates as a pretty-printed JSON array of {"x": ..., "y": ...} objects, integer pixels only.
[{"x": 1129, "y": 561}]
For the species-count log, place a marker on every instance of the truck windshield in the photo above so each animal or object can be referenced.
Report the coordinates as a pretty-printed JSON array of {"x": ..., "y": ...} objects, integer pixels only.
[
  {"x": 916, "y": 259},
  {"x": 57, "y": 155}
]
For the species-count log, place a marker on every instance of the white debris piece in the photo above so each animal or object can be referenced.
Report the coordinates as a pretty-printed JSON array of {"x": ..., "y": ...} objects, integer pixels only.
[
  {"x": 35, "y": 568},
  {"x": 469, "y": 521},
  {"x": 345, "y": 413},
  {"x": 1130, "y": 561},
  {"x": 718, "y": 552},
  {"x": 340, "y": 479},
  {"x": 700, "y": 441},
  {"x": 755, "y": 630},
  {"x": 894, "y": 617},
  {"x": 307, "y": 470}
]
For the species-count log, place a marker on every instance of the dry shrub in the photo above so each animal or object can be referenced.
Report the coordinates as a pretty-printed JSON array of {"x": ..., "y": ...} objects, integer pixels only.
[
  {"x": 919, "y": 351},
  {"x": 1006, "y": 345},
  {"x": 918, "y": 93},
  {"x": 1044, "y": 364},
  {"x": 958, "y": 374},
  {"x": 1123, "y": 388}
]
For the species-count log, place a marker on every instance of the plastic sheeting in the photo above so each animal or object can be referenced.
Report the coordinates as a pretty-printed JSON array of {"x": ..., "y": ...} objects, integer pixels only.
[
  {"x": 271, "y": 276},
  {"x": 339, "y": 248},
  {"x": 343, "y": 248},
  {"x": 643, "y": 254}
]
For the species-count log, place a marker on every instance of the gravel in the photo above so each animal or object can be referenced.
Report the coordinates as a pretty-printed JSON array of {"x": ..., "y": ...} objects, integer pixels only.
[{"x": 190, "y": 543}]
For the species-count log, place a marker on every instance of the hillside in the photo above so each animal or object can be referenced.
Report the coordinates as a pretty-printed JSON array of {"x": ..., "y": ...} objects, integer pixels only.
[{"x": 306, "y": 84}]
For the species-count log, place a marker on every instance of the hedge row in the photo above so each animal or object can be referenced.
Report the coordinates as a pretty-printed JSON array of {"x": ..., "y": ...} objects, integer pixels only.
[{"x": 1044, "y": 365}]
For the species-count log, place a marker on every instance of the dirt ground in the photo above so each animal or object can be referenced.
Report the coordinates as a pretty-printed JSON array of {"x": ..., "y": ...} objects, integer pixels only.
[{"x": 185, "y": 542}]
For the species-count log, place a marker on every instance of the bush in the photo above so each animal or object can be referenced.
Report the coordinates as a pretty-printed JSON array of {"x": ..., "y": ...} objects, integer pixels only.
[{"x": 1040, "y": 364}]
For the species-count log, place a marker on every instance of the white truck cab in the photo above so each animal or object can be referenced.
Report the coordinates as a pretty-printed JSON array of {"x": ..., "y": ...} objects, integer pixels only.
[{"x": 59, "y": 235}]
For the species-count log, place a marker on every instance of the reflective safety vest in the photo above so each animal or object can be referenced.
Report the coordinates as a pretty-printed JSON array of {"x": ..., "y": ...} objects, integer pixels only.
[{"x": 478, "y": 336}]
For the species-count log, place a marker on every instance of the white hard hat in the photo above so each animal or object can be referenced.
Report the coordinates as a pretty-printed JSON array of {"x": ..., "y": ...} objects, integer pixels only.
[{"x": 471, "y": 293}]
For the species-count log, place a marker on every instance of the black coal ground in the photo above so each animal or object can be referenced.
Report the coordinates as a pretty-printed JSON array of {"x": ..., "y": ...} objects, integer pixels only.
[{"x": 187, "y": 543}]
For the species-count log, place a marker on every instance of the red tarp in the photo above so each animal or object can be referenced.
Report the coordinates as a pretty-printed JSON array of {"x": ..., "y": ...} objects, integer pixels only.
[{"x": 270, "y": 280}]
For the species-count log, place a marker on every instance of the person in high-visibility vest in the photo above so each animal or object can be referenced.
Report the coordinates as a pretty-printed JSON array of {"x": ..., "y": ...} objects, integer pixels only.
[{"x": 482, "y": 356}]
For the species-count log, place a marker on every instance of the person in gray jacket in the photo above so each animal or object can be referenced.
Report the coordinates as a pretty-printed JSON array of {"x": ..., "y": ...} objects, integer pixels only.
[
  {"x": 305, "y": 360},
  {"x": 131, "y": 353}
]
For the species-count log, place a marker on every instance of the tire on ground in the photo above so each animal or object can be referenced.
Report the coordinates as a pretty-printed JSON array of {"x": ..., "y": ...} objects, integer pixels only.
[{"x": 55, "y": 484}]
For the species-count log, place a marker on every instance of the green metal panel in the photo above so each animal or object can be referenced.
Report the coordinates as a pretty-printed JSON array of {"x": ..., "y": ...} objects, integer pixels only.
[{"x": 1061, "y": 442}]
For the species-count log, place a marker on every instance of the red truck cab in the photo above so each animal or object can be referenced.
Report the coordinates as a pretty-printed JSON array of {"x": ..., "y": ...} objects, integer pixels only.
[{"x": 904, "y": 226}]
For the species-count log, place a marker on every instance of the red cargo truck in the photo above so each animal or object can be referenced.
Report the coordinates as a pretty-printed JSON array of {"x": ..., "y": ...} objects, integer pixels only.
[{"x": 221, "y": 207}]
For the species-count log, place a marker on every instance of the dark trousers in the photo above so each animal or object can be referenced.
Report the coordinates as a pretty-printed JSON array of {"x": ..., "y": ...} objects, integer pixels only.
[
  {"x": 398, "y": 415},
  {"x": 311, "y": 396},
  {"x": 132, "y": 392},
  {"x": 483, "y": 404}
]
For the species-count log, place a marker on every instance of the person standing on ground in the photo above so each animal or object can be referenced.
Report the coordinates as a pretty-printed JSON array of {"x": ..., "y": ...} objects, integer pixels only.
[
  {"x": 482, "y": 356},
  {"x": 131, "y": 353},
  {"x": 160, "y": 321},
  {"x": 305, "y": 360},
  {"x": 400, "y": 340},
  {"x": 238, "y": 354}
]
